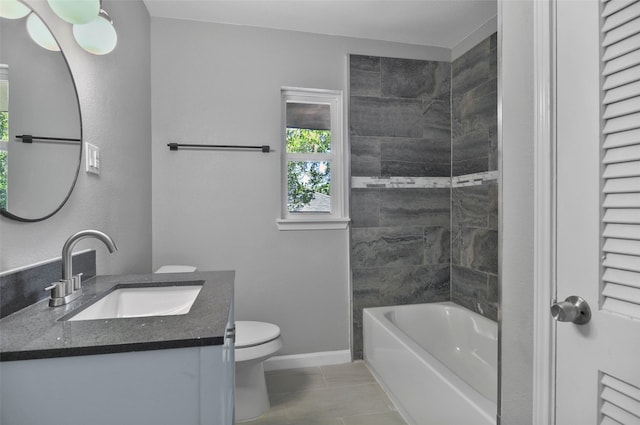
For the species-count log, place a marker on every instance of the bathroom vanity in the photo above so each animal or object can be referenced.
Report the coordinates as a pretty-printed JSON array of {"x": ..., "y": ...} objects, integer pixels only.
[{"x": 171, "y": 369}]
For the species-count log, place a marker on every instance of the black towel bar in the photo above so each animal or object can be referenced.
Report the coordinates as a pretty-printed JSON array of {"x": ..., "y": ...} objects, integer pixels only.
[
  {"x": 28, "y": 138},
  {"x": 175, "y": 146}
]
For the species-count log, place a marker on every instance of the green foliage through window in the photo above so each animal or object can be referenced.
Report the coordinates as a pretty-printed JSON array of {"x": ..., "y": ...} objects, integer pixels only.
[
  {"x": 306, "y": 179},
  {"x": 302, "y": 140},
  {"x": 4, "y": 126}
]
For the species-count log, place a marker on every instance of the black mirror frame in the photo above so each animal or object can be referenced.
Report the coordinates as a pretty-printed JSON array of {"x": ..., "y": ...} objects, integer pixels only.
[{"x": 9, "y": 215}]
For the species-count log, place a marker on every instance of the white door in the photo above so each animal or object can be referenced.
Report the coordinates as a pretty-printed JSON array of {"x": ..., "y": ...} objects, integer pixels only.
[{"x": 598, "y": 364}]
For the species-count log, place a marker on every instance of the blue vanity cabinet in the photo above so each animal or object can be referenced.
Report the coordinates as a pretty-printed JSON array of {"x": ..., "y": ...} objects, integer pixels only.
[
  {"x": 155, "y": 370},
  {"x": 176, "y": 386}
]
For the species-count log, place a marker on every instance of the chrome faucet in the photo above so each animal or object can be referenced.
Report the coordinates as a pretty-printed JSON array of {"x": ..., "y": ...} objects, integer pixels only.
[{"x": 70, "y": 286}]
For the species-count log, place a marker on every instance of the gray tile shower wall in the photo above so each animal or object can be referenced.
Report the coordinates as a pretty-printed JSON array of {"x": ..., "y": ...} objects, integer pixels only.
[
  {"x": 400, "y": 125},
  {"x": 474, "y": 109},
  {"x": 474, "y": 232},
  {"x": 400, "y": 117},
  {"x": 414, "y": 118},
  {"x": 474, "y": 248}
]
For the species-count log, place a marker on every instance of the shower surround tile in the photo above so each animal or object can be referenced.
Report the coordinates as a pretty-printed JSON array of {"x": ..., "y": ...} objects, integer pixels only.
[
  {"x": 470, "y": 206},
  {"x": 474, "y": 208},
  {"x": 373, "y": 116},
  {"x": 429, "y": 207},
  {"x": 399, "y": 246},
  {"x": 402, "y": 113},
  {"x": 415, "y": 157},
  {"x": 403, "y": 78},
  {"x": 387, "y": 247},
  {"x": 374, "y": 207},
  {"x": 410, "y": 78},
  {"x": 436, "y": 115},
  {"x": 493, "y": 205},
  {"x": 365, "y": 83},
  {"x": 474, "y": 110},
  {"x": 366, "y": 156},
  {"x": 475, "y": 249},
  {"x": 401, "y": 156},
  {"x": 400, "y": 130},
  {"x": 474, "y": 291},
  {"x": 400, "y": 183},
  {"x": 364, "y": 63},
  {"x": 365, "y": 208},
  {"x": 472, "y": 68}
]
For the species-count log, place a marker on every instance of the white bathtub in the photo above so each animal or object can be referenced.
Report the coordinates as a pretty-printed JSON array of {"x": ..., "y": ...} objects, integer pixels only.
[{"x": 437, "y": 362}]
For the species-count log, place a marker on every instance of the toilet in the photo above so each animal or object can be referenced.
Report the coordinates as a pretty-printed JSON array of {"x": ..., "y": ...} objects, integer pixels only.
[{"x": 255, "y": 342}]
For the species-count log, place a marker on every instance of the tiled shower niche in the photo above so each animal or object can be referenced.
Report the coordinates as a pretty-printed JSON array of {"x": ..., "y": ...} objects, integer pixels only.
[{"x": 414, "y": 237}]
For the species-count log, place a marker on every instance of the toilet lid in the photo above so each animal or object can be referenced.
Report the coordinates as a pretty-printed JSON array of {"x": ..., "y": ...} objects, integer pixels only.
[{"x": 253, "y": 333}]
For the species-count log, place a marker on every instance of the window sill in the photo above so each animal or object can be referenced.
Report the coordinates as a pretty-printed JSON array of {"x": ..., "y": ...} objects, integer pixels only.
[{"x": 313, "y": 224}]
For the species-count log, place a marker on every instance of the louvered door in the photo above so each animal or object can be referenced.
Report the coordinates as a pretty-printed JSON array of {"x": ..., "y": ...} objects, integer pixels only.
[
  {"x": 621, "y": 145},
  {"x": 598, "y": 210}
]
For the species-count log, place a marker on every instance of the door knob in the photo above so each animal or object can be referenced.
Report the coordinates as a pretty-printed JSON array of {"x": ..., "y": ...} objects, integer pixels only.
[{"x": 574, "y": 309}]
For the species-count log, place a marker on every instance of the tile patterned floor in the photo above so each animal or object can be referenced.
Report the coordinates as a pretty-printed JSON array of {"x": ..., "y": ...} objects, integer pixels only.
[{"x": 328, "y": 395}]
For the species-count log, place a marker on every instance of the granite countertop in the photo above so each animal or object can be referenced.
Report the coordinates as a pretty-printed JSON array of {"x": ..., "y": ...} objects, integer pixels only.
[{"x": 37, "y": 332}]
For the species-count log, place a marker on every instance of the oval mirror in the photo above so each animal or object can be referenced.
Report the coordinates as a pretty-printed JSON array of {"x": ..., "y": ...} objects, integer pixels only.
[{"x": 40, "y": 123}]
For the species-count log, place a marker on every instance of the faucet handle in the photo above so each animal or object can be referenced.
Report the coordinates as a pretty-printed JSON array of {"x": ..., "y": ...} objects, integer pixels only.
[
  {"x": 77, "y": 281},
  {"x": 57, "y": 289}
]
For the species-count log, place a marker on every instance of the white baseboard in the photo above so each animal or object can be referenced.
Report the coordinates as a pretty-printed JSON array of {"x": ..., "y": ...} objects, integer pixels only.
[{"x": 294, "y": 361}]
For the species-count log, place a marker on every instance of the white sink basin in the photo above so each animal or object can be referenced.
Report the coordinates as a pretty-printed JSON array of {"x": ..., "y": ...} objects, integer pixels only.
[{"x": 142, "y": 302}]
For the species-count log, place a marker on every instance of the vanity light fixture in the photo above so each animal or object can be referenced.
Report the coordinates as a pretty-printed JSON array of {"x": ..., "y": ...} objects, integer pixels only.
[
  {"x": 98, "y": 36},
  {"x": 13, "y": 9},
  {"x": 76, "y": 11},
  {"x": 40, "y": 33}
]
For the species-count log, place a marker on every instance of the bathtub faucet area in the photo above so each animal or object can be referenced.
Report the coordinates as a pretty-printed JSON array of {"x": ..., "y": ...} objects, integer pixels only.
[{"x": 70, "y": 286}]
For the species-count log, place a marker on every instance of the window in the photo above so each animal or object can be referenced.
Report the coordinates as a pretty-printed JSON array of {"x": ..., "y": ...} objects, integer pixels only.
[{"x": 313, "y": 158}]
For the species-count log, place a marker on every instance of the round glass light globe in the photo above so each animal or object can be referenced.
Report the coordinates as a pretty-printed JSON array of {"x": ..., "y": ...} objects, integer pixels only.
[
  {"x": 41, "y": 34},
  {"x": 98, "y": 36},
  {"x": 76, "y": 11},
  {"x": 13, "y": 9}
]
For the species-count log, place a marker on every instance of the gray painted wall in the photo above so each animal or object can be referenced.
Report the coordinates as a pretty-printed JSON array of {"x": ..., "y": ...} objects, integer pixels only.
[
  {"x": 516, "y": 297},
  {"x": 114, "y": 94},
  {"x": 220, "y": 84}
]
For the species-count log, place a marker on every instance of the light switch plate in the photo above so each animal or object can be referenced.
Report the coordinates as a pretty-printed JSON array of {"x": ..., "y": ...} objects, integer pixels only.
[{"x": 92, "y": 158}]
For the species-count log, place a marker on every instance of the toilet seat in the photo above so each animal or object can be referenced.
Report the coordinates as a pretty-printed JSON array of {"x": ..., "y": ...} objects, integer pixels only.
[
  {"x": 249, "y": 333},
  {"x": 256, "y": 341}
]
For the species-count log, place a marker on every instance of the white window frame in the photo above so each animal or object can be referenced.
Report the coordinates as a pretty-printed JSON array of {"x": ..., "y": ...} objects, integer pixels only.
[{"x": 338, "y": 217}]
